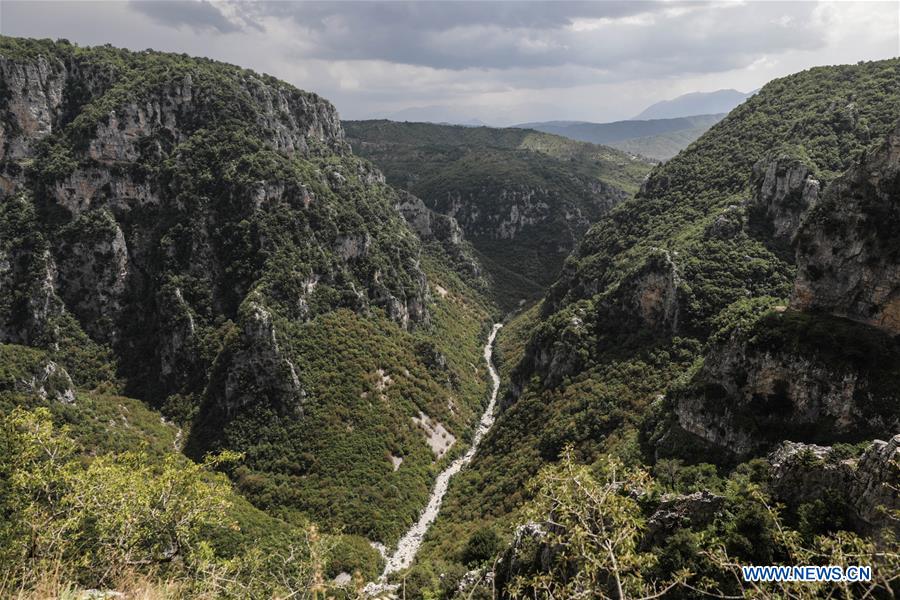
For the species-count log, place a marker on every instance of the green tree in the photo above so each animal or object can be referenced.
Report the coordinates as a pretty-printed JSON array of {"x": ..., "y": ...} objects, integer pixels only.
[
  {"x": 482, "y": 546},
  {"x": 594, "y": 526}
]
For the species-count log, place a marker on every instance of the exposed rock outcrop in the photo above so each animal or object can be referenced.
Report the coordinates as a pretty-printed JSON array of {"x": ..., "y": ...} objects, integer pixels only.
[
  {"x": 40, "y": 91},
  {"x": 810, "y": 376},
  {"x": 34, "y": 97},
  {"x": 868, "y": 484},
  {"x": 145, "y": 202},
  {"x": 528, "y": 553},
  {"x": 647, "y": 302},
  {"x": 848, "y": 251},
  {"x": 258, "y": 369},
  {"x": 92, "y": 273},
  {"x": 776, "y": 383},
  {"x": 677, "y": 511},
  {"x": 53, "y": 382},
  {"x": 784, "y": 191}
]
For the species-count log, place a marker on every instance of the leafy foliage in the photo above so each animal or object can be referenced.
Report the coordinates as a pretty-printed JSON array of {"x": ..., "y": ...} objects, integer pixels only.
[
  {"x": 595, "y": 368},
  {"x": 216, "y": 199}
]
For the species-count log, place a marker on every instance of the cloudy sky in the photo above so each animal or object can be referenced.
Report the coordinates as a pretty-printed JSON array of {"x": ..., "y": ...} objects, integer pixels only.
[{"x": 501, "y": 62}]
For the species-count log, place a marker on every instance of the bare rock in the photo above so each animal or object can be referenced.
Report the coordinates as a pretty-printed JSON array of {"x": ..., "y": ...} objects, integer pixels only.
[
  {"x": 682, "y": 510},
  {"x": 784, "y": 191},
  {"x": 258, "y": 369},
  {"x": 848, "y": 250},
  {"x": 869, "y": 484}
]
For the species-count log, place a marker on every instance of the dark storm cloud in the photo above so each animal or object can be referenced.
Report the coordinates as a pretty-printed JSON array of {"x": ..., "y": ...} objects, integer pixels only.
[
  {"x": 638, "y": 38},
  {"x": 499, "y": 61},
  {"x": 198, "y": 14}
]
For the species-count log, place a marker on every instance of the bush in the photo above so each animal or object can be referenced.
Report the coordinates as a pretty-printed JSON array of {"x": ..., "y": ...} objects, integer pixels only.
[{"x": 481, "y": 547}]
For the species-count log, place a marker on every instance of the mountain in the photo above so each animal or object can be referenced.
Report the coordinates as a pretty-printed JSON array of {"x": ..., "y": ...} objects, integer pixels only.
[
  {"x": 188, "y": 242},
  {"x": 658, "y": 139},
  {"x": 715, "y": 345},
  {"x": 236, "y": 357},
  {"x": 522, "y": 198},
  {"x": 697, "y": 103}
]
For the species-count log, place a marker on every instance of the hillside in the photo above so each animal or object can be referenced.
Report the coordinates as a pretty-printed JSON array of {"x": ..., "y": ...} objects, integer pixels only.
[
  {"x": 696, "y": 103},
  {"x": 522, "y": 198},
  {"x": 659, "y": 139},
  {"x": 200, "y": 238},
  {"x": 245, "y": 346},
  {"x": 662, "y": 146},
  {"x": 725, "y": 309}
]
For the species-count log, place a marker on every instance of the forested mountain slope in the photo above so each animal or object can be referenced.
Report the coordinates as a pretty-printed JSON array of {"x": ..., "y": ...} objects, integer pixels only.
[
  {"x": 200, "y": 237},
  {"x": 523, "y": 198},
  {"x": 745, "y": 296}
]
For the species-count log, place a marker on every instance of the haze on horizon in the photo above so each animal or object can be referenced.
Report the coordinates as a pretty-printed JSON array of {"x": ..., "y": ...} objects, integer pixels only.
[{"x": 496, "y": 62}]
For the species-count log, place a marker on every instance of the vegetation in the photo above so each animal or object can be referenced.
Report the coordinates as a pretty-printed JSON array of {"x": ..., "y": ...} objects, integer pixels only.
[
  {"x": 595, "y": 527},
  {"x": 155, "y": 526},
  {"x": 234, "y": 267},
  {"x": 658, "y": 139},
  {"x": 597, "y": 362},
  {"x": 485, "y": 177},
  {"x": 245, "y": 342}
]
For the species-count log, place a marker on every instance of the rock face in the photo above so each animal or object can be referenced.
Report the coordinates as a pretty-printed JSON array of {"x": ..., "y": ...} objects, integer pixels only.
[
  {"x": 34, "y": 97},
  {"x": 43, "y": 91},
  {"x": 773, "y": 383},
  {"x": 259, "y": 368},
  {"x": 646, "y": 302},
  {"x": 528, "y": 553},
  {"x": 676, "y": 511},
  {"x": 848, "y": 251},
  {"x": 53, "y": 382},
  {"x": 432, "y": 226},
  {"x": 784, "y": 191},
  {"x": 513, "y": 212},
  {"x": 868, "y": 484},
  {"x": 141, "y": 204},
  {"x": 822, "y": 371},
  {"x": 523, "y": 198}
]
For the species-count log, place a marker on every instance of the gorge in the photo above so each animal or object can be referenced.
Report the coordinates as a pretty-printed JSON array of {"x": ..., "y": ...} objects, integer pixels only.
[{"x": 531, "y": 366}]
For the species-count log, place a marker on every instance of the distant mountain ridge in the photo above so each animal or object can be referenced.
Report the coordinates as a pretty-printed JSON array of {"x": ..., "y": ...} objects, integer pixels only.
[
  {"x": 522, "y": 197},
  {"x": 659, "y": 139},
  {"x": 695, "y": 103}
]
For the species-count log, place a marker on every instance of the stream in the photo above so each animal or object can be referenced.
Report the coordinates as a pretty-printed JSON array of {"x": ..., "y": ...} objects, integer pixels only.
[{"x": 409, "y": 544}]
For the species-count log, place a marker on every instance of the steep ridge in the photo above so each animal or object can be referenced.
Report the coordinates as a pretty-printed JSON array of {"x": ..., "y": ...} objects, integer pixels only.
[
  {"x": 201, "y": 237},
  {"x": 522, "y": 198},
  {"x": 664, "y": 294}
]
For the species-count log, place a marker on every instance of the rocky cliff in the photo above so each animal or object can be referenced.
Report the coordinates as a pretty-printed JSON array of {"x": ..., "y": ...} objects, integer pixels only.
[
  {"x": 136, "y": 202},
  {"x": 822, "y": 371},
  {"x": 792, "y": 376},
  {"x": 848, "y": 252},
  {"x": 671, "y": 323},
  {"x": 201, "y": 237},
  {"x": 784, "y": 191},
  {"x": 865, "y": 486}
]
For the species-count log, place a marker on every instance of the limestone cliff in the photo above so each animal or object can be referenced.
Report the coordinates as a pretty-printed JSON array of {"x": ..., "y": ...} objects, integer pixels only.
[
  {"x": 848, "y": 251},
  {"x": 144, "y": 195},
  {"x": 782, "y": 381},
  {"x": 866, "y": 484},
  {"x": 822, "y": 370},
  {"x": 784, "y": 191}
]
